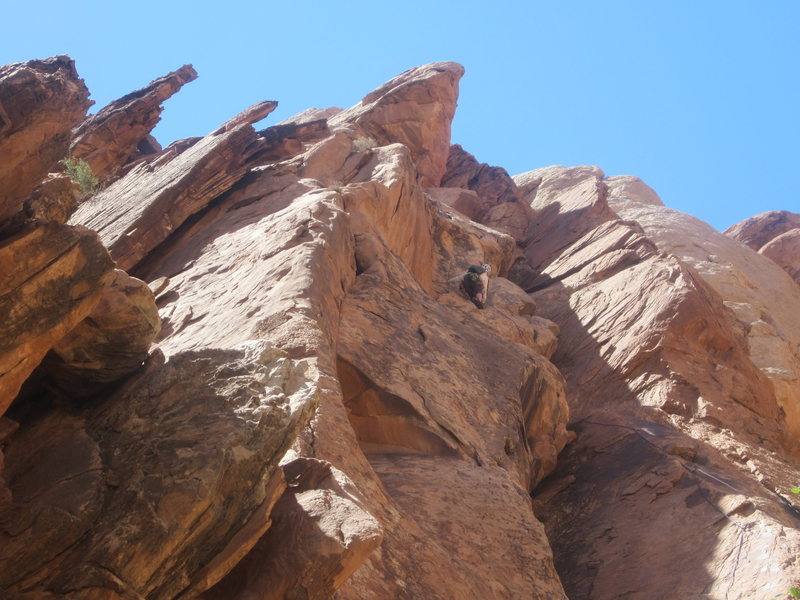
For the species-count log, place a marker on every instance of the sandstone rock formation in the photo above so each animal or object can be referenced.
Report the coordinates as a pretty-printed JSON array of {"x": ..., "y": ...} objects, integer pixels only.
[
  {"x": 324, "y": 415},
  {"x": 673, "y": 418},
  {"x": 120, "y": 131},
  {"x": 776, "y": 235},
  {"x": 52, "y": 276},
  {"x": 40, "y": 102}
]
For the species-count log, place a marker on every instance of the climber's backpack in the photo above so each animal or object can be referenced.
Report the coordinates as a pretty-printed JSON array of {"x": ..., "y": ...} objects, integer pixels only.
[{"x": 471, "y": 283}]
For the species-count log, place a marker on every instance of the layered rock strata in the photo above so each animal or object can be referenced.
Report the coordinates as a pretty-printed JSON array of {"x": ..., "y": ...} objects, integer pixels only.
[
  {"x": 774, "y": 234},
  {"x": 324, "y": 415},
  {"x": 681, "y": 439}
]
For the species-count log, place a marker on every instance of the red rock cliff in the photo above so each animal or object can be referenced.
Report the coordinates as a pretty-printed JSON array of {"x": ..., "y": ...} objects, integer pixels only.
[{"x": 321, "y": 413}]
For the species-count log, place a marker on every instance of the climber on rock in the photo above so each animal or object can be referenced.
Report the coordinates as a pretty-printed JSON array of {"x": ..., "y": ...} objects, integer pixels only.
[{"x": 475, "y": 284}]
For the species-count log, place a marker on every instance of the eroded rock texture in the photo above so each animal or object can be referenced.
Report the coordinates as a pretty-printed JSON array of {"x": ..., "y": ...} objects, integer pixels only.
[
  {"x": 774, "y": 234},
  {"x": 40, "y": 102},
  {"x": 120, "y": 132},
  {"x": 676, "y": 484},
  {"x": 323, "y": 414}
]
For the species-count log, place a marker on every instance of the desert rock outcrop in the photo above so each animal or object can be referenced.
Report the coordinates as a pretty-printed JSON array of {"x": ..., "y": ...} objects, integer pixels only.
[
  {"x": 279, "y": 392},
  {"x": 672, "y": 415},
  {"x": 40, "y": 102},
  {"x": 776, "y": 235},
  {"x": 119, "y": 132}
]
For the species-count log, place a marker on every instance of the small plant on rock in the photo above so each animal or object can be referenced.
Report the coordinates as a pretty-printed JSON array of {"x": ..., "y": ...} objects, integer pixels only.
[{"x": 81, "y": 173}]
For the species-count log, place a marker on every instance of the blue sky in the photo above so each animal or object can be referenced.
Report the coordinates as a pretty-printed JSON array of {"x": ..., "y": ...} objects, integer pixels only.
[{"x": 699, "y": 99}]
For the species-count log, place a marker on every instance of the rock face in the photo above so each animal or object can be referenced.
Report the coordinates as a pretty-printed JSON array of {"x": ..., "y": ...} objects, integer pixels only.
[
  {"x": 40, "y": 102},
  {"x": 776, "y": 235},
  {"x": 758, "y": 293},
  {"x": 119, "y": 132},
  {"x": 323, "y": 414},
  {"x": 672, "y": 415},
  {"x": 52, "y": 277},
  {"x": 111, "y": 342}
]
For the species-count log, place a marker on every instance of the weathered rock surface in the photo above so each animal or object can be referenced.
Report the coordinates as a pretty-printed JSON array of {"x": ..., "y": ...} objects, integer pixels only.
[
  {"x": 326, "y": 416},
  {"x": 680, "y": 436},
  {"x": 40, "y": 102},
  {"x": 414, "y": 109},
  {"x": 776, "y": 235},
  {"x": 118, "y": 133},
  {"x": 785, "y": 250},
  {"x": 500, "y": 203},
  {"x": 760, "y": 295},
  {"x": 323, "y": 508},
  {"x": 757, "y": 231},
  {"x": 51, "y": 277},
  {"x": 111, "y": 342},
  {"x": 139, "y": 211},
  {"x": 54, "y": 199},
  {"x": 144, "y": 496}
]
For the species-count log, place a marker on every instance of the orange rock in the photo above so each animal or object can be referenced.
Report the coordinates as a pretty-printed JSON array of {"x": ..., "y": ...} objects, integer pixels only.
[
  {"x": 51, "y": 277},
  {"x": 111, "y": 342},
  {"x": 40, "y": 102},
  {"x": 111, "y": 137}
]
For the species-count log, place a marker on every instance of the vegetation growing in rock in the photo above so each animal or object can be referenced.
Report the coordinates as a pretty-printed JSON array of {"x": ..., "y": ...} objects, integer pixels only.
[{"x": 81, "y": 173}]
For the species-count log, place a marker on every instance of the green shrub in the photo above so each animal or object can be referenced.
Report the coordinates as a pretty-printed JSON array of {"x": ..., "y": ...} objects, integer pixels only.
[{"x": 81, "y": 173}]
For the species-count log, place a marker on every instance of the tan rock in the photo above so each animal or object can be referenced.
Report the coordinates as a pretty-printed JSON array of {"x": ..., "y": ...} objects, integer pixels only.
[
  {"x": 40, "y": 102},
  {"x": 762, "y": 297},
  {"x": 415, "y": 109},
  {"x": 142, "y": 209},
  {"x": 111, "y": 342},
  {"x": 55, "y": 199},
  {"x": 322, "y": 508},
  {"x": 159, "y": 491},
  {"x": 51, "y": 278},
  {"x": 436, "y": 420},
  {"x": 464, "y": 201},
  {"x": 110, "y": 138},
  {"x": 659, "y": 378},
  {"x": 410, "y": 407},
  {"x": 501, "y": 205},
  {"x": 757, "y": 231},
  {"x": 785, "y": 250},
  {"x": 480, "y": 519}
]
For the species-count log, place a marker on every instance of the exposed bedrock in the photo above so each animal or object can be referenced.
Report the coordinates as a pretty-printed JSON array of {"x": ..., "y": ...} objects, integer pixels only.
[
  {"x": 40, "y": 102},
  {"x": 292, "y": 399},
  {"x": 681, "y": 438},
  {"x": 120, "y": 132}
]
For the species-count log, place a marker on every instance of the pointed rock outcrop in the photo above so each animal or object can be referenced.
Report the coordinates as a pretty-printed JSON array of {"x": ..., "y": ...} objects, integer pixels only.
[
  {"x": 414, "y": 109},
  {"x": 138, "y": 212},
  {"x": 40, "y": 102},
  {"x": 119, "y": 132}
]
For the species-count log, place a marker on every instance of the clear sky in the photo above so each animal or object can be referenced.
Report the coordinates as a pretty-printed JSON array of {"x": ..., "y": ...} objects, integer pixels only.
[{"x": 701, "y": 99}]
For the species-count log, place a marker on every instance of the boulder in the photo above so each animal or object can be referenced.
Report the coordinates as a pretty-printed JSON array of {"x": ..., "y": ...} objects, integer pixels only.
[
  {"x": 111, "y": 342},
  {"x": 55, "y": 199},
  {"x": 51, "y": 278}
]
